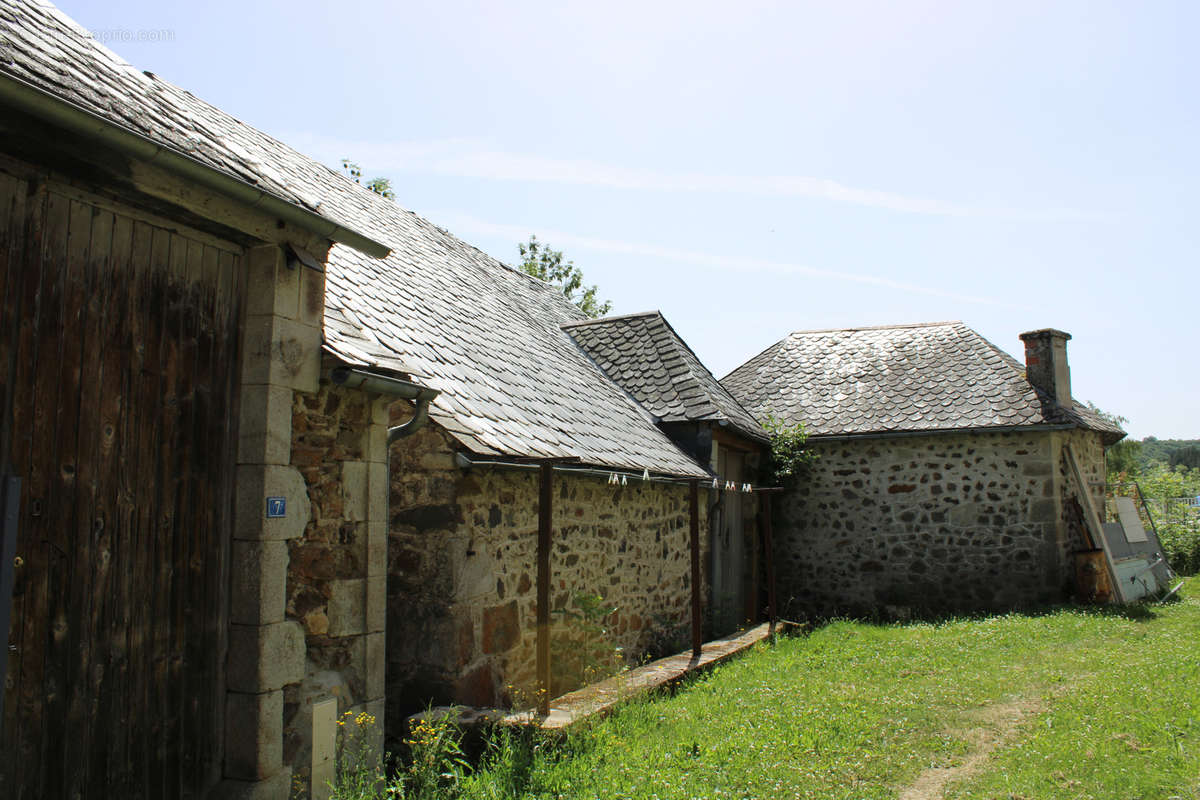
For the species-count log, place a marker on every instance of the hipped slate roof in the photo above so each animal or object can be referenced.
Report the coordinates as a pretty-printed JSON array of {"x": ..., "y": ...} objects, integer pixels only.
[
  {"x": 904, "y": 378},
  {"x": 644, "y": 355},
  {"x": 446, "y": 314}
]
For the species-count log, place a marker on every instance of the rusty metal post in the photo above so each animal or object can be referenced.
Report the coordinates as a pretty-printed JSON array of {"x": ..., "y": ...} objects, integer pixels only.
[
  {"x": 769, "y": 546},
  {"x": 694, "y": 526},
  {"x": 545, "y": 517}
]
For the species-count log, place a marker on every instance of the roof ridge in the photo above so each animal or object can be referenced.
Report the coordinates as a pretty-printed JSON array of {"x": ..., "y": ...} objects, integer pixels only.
[
  {"x": 879, "y": 327},
  {"x": 755, "y": 357},
  {"x": 613, "y": 318}
]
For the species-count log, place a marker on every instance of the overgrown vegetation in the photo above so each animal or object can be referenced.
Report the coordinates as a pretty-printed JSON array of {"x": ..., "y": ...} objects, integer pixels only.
[
  {"x": 1165, "y": 474},
  {"x": 379, "y": 185},
  {"x": 1065, "y": 703},
  {"x": 790, "y": 455},
  {"x": 1168, "y": 492}
]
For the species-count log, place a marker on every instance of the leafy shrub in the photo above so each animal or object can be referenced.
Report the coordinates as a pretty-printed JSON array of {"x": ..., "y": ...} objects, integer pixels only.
[
  {"x": 1178, "y": 525},
  {"x": 790, "y": 455}
]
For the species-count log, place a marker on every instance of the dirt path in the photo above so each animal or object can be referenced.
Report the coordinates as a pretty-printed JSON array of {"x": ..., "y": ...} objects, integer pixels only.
[{"x": 995, "y": 726}]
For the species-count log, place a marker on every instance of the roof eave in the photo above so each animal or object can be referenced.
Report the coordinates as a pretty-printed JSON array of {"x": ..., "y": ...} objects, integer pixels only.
[
  {"x": 61, "y": 112},
  {"x": 838, "y": 437}
]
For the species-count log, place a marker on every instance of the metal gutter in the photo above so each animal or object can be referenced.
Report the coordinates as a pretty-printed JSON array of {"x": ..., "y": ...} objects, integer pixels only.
[
  {"x": 354, "y": 378},
  {"x": 63, "y": 113},
  {"x": 464, "y": 461}
]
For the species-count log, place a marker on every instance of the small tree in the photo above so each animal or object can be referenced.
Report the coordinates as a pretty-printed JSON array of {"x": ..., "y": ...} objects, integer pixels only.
[{"x": 541, "y": 261}]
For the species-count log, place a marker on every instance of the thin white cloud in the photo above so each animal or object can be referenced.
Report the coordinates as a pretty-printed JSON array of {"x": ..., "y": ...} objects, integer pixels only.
[
  {"x": 471, "y": 158},
  {"x": 460, "y": 223}
]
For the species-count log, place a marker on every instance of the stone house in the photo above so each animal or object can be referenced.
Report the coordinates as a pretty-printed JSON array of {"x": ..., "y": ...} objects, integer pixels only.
[
  {"x": 942, "y": 481},
  {"x": 267, "y": 448},
  {"x": 645, "y": 356}
]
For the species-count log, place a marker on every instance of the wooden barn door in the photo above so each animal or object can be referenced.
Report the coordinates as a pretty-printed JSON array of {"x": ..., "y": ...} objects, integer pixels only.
[
  {"x": 728, "y": 544},
  {"x": 122, "y": 335}
]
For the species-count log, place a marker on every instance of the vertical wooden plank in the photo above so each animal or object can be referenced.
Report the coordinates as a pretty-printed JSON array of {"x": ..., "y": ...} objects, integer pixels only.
[
  {"x": 12, "y": 213},
  {"x": 188, "y": 513},
  {"x": 112, "y": 579},
  {"x": 148, "y": 251},
  {"x": 68, "y": 649},
  {"x": 694, "y": 544},
  {"x": 91, "y": 540},
  {"x": 40, "y": 507},
  {"x": 157, "y": 375},
  {"x": 30, "y": 591},
  {"x": 545, "y": 518},
  {"x": 12, "y": 276},
  {"x": 207, "y": 435},
  {"x": 230, "y": 290}
]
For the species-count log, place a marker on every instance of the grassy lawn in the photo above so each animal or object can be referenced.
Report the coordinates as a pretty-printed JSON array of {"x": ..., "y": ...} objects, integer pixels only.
[{"x": 1066, "y": 704}]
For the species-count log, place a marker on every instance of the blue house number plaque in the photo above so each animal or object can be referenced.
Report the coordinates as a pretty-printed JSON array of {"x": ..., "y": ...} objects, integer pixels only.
[{"x": 276, "y": 507}]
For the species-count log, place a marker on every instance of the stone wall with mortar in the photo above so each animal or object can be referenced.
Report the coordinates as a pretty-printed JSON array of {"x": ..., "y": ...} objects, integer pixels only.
[
  {"x": 462, "y": 550},
  {"x": 336, "y": 580},
  {"x": 942, "y": 522}
]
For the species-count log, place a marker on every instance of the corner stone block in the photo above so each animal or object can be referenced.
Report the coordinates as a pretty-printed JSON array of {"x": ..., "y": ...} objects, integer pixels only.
[
  {"x": 377, "y": 549},
  {"x": 259, "y": 582},
  {"x": 376, "y": 665},
  {"x": 347, "y": 607},
  {"x": 256, "y": 483},
  {"x": 282, "y": 352},
  {"x": 376, "y": 603},
  {"x": 312, "y": 297},
  {"x": 377, "y": 446},
  {"x": 263, "y": 658},
  {"x": 354, "y": 490},
  {"x": 381, "y": 410},
  {"x": 377, "y": 492},
  {"x": 253, "y": 735},
  {"x": 265, "y": 425},
  {"x": 276, "y": 787},
  {"x": 271, "y": 287}
]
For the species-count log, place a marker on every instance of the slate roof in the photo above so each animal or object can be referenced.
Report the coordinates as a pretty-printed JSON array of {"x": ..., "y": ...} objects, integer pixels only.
[
  {"x": 929, "y": 377},
  {"x": 436, "y": 309},
  {"x": 644, "y": 355}
]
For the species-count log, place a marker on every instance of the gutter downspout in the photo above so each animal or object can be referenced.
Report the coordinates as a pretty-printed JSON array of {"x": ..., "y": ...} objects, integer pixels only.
[
  {"x": 65, "y": 114},
  {"x": 353, "y": 378}
]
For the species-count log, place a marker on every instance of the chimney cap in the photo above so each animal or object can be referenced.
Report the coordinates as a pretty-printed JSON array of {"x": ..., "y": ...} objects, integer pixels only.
[{"x": 1045, "y": 333}]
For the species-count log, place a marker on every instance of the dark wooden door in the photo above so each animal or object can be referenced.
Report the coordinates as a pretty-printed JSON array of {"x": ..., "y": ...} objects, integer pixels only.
[
  {"x": 728, "y": 548},
  {"x": 125, "y": 353}
]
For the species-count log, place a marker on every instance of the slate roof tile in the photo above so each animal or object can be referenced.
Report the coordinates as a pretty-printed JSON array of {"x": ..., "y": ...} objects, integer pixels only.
[
  {"x": 446, "y": 314},
  {"x": 929, "y": 377},
  {"x": 644, "y": 354}
]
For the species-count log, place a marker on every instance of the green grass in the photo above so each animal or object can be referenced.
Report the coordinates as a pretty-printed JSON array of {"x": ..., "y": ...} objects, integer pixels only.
[{"x": 1111, "y": 709}]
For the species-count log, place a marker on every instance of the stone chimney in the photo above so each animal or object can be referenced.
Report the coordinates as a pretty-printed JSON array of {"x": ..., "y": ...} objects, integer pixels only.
[{"x": 1046, "y": 363}]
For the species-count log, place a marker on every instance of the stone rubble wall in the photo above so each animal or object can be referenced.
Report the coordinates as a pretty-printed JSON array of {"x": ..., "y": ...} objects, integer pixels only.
[
  {"x": 336, "y": 580},
  {"x": 941, "y": 522},
  {"x": 462, "y": 545}
]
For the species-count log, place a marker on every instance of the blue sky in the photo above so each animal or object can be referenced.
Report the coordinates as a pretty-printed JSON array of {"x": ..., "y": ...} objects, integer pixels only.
[{"x": 755, "y": 168}]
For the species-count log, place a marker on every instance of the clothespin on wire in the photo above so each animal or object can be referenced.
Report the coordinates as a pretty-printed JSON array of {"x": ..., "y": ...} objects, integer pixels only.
[{"x": 645, "y": 474}]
